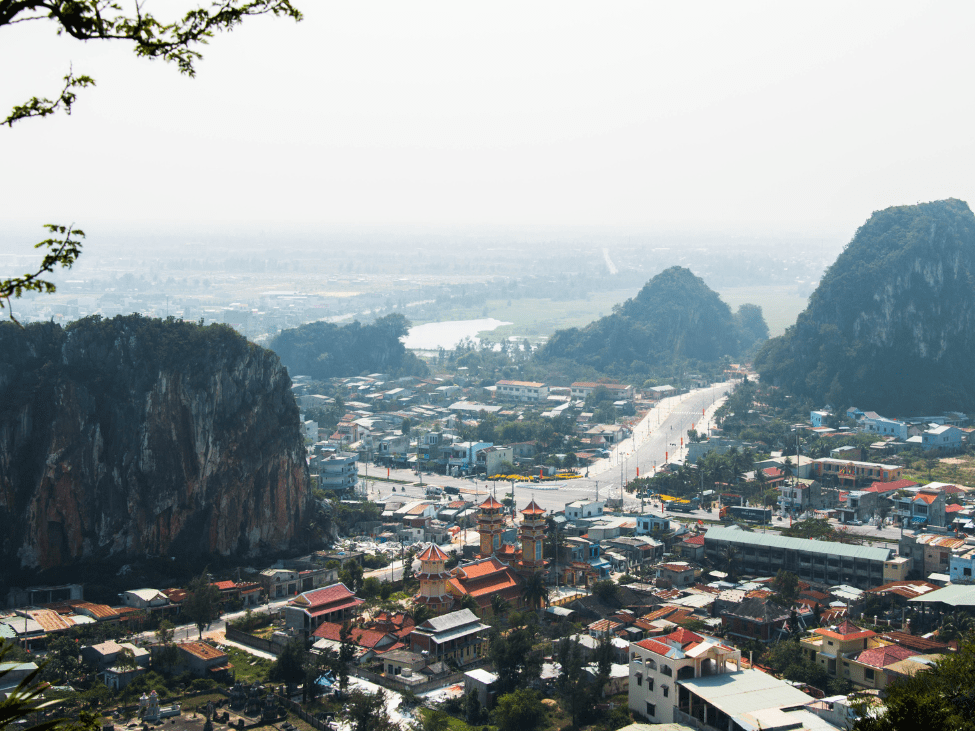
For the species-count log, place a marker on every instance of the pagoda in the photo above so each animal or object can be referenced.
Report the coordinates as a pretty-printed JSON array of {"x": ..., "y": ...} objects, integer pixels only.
[
  {"x": 531, "y": 533},
  {"x": 490, "y": 524},
  {"x": 433, "y": 581}
]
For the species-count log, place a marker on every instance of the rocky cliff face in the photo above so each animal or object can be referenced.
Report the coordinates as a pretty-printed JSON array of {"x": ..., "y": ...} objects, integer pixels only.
[
  {"x": 891, "y": 327},
  {"x": 127, "y": 437}
]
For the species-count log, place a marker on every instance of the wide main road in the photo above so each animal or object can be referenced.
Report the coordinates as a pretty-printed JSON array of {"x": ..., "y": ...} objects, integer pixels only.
[{"x": 655, "y": 439}]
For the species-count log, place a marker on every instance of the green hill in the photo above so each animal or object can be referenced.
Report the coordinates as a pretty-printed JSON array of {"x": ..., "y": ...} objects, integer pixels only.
[
  {"x": 891, "y": 326},
  {"x": 674, "y": 317},
  {"x": 324, "y": 350}
]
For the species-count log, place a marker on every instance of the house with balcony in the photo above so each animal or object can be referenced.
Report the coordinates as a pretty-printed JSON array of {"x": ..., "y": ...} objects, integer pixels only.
[
  {"x": 456, "y": 636},
  {"x": 697, "y": 681},
  {"x": 462, "y": 456},
  {"x": 307, "y": 611},
  {"x": 337, "y": 471},
  {"x": 657, "y": 664},
  {"x": 489, "y": 460},
  {"x": 798, "y": 497},
  {"x": 833, "y": 647},
  {"x": 919, "y": 507}
]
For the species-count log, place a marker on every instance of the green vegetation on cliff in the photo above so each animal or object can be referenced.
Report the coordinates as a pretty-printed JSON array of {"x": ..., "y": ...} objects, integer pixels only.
[
  {"x": 891, "y": 327},
  {"x": 324, "y": 350},
  {"x": 674, "y": 318}
]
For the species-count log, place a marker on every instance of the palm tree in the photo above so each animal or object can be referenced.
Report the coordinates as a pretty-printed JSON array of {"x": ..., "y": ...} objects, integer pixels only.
[
  {"x": 955, "y": 626},
  {"x": 534, "y": 592},
  {"x": 499, "y": 605}
]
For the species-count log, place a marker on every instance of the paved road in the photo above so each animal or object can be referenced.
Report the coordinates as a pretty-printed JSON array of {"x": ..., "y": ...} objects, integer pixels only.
[
  {"x": 645, "y": 451},
  {"x": 189, "y": 631}
]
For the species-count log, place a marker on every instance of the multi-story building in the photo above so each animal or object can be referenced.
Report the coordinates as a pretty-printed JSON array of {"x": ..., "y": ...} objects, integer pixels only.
[
  {"x": 919, "y": 507},
  {"x": 930, "y": 553},
  {"x": 961, "y": 566},
  {"x": 851, "y": 474},
  {"x": 657, "y": 664},
  {"x": 762, "y": 554},
  {"x": 337, "y": 471},
  {"x": 620, "y": 392},
  {"x": 799, "y": 496},
  {"x": 831, "y": 647},
  {"x": 521, "y": 390}
]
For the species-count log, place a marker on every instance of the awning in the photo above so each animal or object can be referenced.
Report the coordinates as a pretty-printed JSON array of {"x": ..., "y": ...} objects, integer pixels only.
[{"x": 919, "y": 519}]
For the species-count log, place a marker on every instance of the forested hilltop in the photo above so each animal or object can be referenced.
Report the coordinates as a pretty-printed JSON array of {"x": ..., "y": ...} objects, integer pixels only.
[
  {"x": 324, "y": 350},
  {"x": 891, "y": 326},
  {"x": 676, "y": 318}
]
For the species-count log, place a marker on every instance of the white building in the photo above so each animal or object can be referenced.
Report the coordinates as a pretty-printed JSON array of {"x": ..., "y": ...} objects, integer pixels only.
[
  {"x": 522, "y": 390},
  {"x": 697, "y": 681}
]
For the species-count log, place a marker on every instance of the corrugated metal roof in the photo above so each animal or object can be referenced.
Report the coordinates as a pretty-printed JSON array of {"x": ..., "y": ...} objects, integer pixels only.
[
  {"x": 733, "y": 535},
  {"x": 745, "y": 691}
]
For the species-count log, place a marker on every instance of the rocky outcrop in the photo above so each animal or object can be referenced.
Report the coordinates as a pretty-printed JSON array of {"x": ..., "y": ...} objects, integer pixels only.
[
  {"x": 674, "y": 318},
  {"x": 891, "y": 326},
  {"x": 131, "y": 437}
]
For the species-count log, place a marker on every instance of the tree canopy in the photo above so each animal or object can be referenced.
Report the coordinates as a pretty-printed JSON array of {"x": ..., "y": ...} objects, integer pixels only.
[
  {"x": 175, "y": 40},
  {"x": 675, "y": 317},
  {"x": 881, "y": 302},
  {"x": 325, "y": 350}
]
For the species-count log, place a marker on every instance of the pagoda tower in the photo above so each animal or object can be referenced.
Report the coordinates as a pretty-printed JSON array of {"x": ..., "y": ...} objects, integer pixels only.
[
  {"x": 531, "y": 532},
  {"x": 433, "y": 581},
  {"x": 490, "y": 524}
]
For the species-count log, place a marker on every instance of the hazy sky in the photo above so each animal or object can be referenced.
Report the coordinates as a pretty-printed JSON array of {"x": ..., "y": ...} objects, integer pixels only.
[{"x": 760, "y": 117}]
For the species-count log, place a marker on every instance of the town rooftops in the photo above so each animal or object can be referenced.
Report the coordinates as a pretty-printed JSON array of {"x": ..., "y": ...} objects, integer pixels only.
[
  {"x": 523, "y": 384},
  {"x": 907, "y": 589}
]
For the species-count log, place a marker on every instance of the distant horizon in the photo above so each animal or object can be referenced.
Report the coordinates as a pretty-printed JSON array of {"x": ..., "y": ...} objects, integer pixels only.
[{"x": 637, "y": 119}]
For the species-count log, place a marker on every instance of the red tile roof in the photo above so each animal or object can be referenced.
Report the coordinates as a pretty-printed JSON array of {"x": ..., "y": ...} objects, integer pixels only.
[
  {"x": 478, "y": 569},
  {"x": 323, "y": 598},
  {"x": 98, "y": 611},
  {"x": 846, "y": 631},
  {"x": 224, "y": 585},
  {"x": 433, "y": 553},
  {"x": 881, "y": 657},
  {"x": 954, "y": 508},
  {"x": 533, "y": 509},
  {"x": 490, "y": 503},
  {"x": 655, "y": 646},
  {"x": 683, "y": 637},
  {"x": 203, "y": 651},
  {"x": 695, "y": 540},
  {"x": 888, "y": 486},
  {"x": 367, "y": 638}
]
